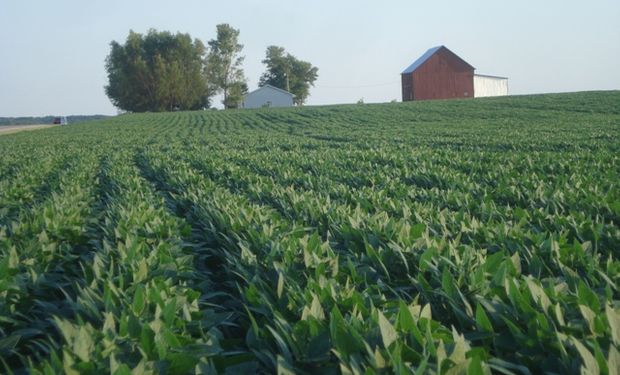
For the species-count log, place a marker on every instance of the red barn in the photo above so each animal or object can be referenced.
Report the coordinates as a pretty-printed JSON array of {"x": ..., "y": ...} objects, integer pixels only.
[{"x": 438, "y": 74}]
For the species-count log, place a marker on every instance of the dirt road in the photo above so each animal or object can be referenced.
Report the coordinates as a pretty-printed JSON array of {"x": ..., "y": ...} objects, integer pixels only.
[{"x": 18, "y": 128}]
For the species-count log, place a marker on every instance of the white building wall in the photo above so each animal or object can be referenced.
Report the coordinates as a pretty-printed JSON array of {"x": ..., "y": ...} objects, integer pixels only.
[
  {"x": 268, "y": 96},
  {"x": 490, "y": 86}
]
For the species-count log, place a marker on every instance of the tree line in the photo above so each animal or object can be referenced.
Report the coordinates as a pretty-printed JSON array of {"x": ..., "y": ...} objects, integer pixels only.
[{"x": 161, "y": 71}]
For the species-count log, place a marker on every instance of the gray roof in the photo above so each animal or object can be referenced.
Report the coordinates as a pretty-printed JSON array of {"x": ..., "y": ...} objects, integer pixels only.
[
  {"x": 416, "y": 64},
  {"x": 427, "y": 55},
  {"x": 489, "y": 76},
  {"x": 268, "y": 86}
]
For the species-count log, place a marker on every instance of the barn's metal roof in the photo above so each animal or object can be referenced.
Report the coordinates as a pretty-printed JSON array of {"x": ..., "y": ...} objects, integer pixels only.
[
  {"x": 268, "y": 86},
  {"x": 489, "y": 76},
  {"x": 416, "y": 64}
]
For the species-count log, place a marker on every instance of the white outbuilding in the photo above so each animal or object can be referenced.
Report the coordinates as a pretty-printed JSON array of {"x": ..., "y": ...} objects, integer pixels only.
[
  {"x": 485, "y": 85},
  {"x": 268, "y": 96}
]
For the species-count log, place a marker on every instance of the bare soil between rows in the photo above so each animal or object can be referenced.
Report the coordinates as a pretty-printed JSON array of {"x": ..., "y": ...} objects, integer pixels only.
[{"x": 18, "y": 128}]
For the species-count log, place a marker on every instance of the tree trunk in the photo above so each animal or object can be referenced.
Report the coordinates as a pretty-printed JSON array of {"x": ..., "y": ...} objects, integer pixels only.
[{"x": 225, "y": 93}]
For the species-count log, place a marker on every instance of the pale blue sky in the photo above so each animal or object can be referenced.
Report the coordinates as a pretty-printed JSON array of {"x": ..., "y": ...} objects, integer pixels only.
[{"x": 52, "y": 52}]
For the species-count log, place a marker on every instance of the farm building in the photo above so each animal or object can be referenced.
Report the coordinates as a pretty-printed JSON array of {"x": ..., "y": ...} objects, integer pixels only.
[
  {"x": 441, "y": 74},
  {"x": 485, "y": 85},
  {"x": 268, "y": 96}
]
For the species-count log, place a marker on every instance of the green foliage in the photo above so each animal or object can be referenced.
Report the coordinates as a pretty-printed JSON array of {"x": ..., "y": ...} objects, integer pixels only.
[
  {"x": 223, "y": 66},
  {"x": 287, "y": 72},
  {"x": 475, "y": 236},
  {"x": 234, "y": 95},
  {"x": 157, "y": 72}
]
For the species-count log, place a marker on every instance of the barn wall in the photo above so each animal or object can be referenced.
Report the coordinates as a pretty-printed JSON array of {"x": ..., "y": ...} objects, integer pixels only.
[
  {"x": 490, "y": 86},
  {"x": 407, "y": 86},
  {"x": 443, "y": 77},
  {"x": 267, "y": 97}
]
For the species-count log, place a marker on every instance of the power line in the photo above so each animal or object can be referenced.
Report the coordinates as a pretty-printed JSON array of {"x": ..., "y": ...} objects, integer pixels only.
[{"x": 357, "y": 87}]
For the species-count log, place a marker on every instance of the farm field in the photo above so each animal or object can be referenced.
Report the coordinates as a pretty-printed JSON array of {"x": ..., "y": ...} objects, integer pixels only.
[{"x": 449, "y": 237}]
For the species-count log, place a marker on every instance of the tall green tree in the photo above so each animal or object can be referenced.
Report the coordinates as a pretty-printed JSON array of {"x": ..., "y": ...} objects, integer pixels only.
[
  {"x": 158, "y": 71},
  {"x": 223, "y": 66},
  {"x": 234, "y": 98},
  {"x": 287, "y": 72}
]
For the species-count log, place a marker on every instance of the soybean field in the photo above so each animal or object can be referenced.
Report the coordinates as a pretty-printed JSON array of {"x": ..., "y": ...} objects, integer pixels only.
[{"x": 446, "y": 237}]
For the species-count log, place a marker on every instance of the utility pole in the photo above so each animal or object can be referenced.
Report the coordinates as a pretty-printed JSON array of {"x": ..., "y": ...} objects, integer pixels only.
[{"x": 288, "y": 87}]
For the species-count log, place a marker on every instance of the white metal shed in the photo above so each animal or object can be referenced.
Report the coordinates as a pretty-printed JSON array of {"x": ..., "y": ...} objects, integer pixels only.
[
  {"x": 268, "y": 96},
  {"x": 485, "y": 85}
]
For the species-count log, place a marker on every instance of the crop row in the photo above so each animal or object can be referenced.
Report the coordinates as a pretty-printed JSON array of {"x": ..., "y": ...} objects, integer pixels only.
[{"x": 463, "y": 237}]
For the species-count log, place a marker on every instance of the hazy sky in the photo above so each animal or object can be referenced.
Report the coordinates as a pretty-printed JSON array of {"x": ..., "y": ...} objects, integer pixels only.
[{"x": 52, "y": 52}]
